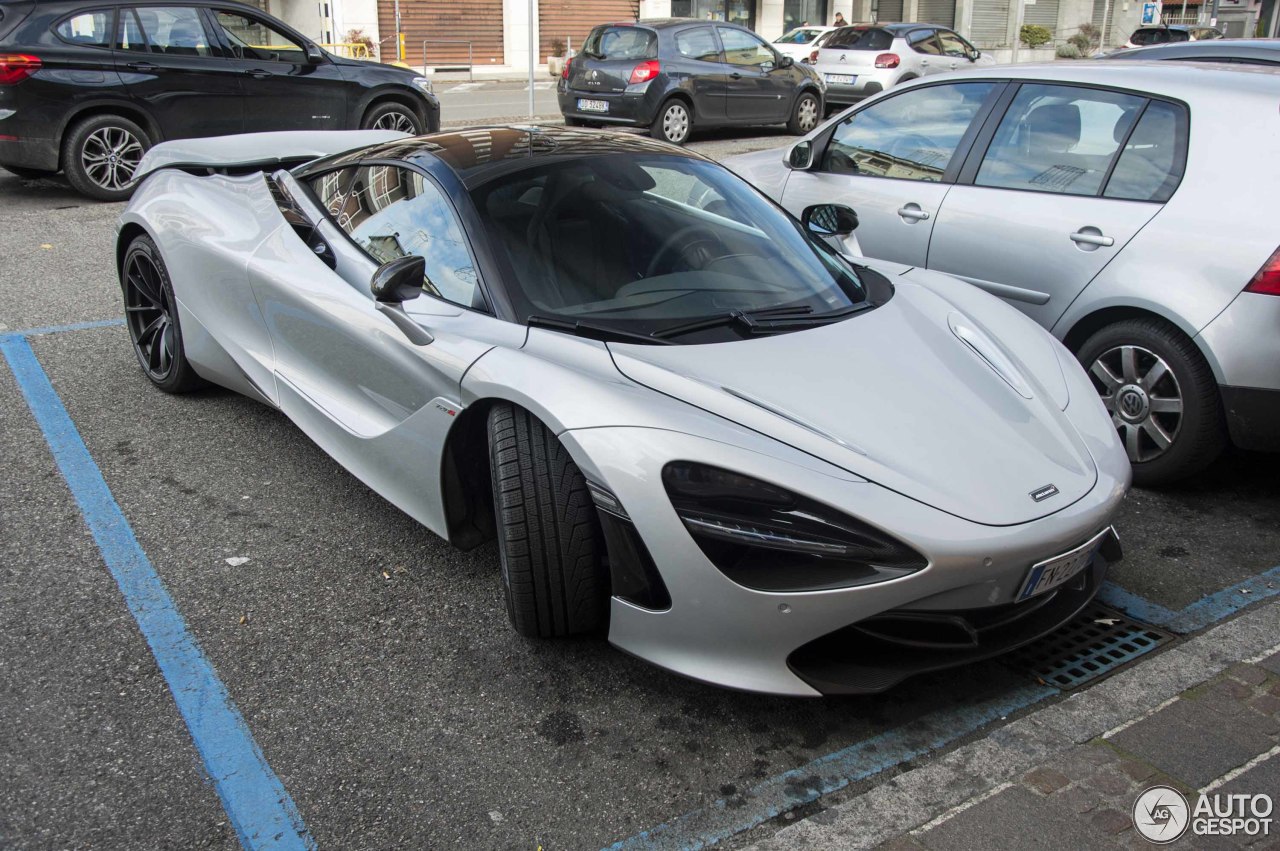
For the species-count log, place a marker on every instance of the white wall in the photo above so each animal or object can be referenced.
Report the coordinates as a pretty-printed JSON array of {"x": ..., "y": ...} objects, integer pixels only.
[
  {"x": 356, "y": 15},
  {"x": 515, "y": 32}
]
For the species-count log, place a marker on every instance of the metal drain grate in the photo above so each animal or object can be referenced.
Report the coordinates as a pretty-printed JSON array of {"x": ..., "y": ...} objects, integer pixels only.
[{"x": 1097, "y": 643}]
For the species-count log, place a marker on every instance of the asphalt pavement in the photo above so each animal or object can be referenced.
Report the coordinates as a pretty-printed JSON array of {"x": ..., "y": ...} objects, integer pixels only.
[{"x": 373, "y": 664}]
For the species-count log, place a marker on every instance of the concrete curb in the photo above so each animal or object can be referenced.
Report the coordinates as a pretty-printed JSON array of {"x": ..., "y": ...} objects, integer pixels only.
[{"x": 921, "y": 795}]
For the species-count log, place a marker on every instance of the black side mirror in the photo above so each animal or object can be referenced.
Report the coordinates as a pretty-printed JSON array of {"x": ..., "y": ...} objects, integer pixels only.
[
  {"x": 823, "y": 220},
  {"x": 314, "y": 54},
  {"x": 786, "y": 61},
  {"x": 399, "y": 280},
  {"x": 800, "y": 156},
  {"x": 973, "y": 54}
]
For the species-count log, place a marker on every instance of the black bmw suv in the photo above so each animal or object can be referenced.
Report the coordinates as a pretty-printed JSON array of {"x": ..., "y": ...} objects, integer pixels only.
[
  {"x": 86, "y": 86},
  {"x": 675, "y": 74}
]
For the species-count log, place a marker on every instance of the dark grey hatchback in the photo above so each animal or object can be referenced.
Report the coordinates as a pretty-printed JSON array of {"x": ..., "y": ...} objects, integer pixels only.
[{"x": 673, "y": 75}]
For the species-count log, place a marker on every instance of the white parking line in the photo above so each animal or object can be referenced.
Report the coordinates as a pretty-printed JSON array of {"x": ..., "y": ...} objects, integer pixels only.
[
  {"x": 548, "y": 85},
  {"x": 462, "y": 87}
]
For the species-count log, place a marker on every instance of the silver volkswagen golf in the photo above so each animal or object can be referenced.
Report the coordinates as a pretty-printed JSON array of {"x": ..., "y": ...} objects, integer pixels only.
[{"x": 1127, "y": 207}]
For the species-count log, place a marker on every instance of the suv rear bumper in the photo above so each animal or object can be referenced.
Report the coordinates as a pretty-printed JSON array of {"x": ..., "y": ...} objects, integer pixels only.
[{"x": 22, "y": 146}]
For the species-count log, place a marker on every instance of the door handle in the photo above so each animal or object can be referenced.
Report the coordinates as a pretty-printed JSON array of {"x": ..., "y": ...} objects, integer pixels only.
[
  {"x": 140, "y": 66},
  {"x": 258, "y": 73},
  {"x": 1086, "y": 238},
  {"x": 735, "y": 76},
  {"x": 913, "y": 212}
]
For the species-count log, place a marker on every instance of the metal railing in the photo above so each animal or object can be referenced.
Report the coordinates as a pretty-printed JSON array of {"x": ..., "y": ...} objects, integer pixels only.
[
  {"x": 470, "y": 66},
  {"x": 349, "y": 49}
]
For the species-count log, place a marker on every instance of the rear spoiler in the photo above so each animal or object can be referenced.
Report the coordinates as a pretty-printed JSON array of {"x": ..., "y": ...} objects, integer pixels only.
[{"x": 250, "y": 152}]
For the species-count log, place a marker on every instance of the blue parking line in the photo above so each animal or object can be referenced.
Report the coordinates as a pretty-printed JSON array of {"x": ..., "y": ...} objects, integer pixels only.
[
  {"x": 259, "y": 808},
  {"x": 830, "y": 773},
  {"x": 58, "y": 329},
  {"x": 1203, "y": 612}
]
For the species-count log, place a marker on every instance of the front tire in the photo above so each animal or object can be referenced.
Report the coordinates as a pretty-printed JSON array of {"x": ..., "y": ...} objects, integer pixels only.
[
  {"x": 549, "y": 537},
  {"x": 151, "y": 314},
  {"x": 101, "y": 154},
  {"x": 393, "y": 115},
  {"x": 804, "y": 116},
  {"x": 1162, "y": 397},
  {"x": 674, "y": 122}
]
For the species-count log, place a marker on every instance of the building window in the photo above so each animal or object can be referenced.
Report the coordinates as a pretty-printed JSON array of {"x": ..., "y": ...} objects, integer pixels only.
[
  {"x": 733, "y": 11},
  {"x": 799, "y": 13}
]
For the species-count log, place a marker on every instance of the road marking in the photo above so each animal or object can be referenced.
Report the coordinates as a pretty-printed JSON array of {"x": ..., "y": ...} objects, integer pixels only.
[
  {"x": 827, "y": 774},
  {"x": 461, "y": 87},
  {"x": 1207, "y": 610},
  {"x": 548, "y": 85},
  {"x": 259, "y": 808},
  {"x": 58, "y": 329},
  {"x": 1236, "y": 772}
]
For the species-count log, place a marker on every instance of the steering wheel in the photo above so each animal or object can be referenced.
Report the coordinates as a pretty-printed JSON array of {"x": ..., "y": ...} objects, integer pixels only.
[
  {"x": 903, "y": 145},
  {"x": 694, "y": 244}
]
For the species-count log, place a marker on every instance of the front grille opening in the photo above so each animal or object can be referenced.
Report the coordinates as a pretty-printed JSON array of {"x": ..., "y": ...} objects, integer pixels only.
[{"x": 1096, "y": 643}]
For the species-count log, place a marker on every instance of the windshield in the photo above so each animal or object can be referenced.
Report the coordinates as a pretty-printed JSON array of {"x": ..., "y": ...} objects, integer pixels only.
[
  {"x": 646, "y": 244},
  {"x": 621, "y": 43},
  {"x": 1158, "y": 36},
  {"x": 801, "y": 36}
]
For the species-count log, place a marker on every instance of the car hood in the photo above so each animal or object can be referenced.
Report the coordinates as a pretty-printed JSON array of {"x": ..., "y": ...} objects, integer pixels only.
[{"x": 918, "y": 395}]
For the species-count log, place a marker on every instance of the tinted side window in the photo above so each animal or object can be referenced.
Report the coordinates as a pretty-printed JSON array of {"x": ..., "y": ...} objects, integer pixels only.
[
  {"x": 393, "y": 212},
  {"x": 913, "y": 135},
  {"x": 175, "y": 31},
  {"x": 924, "y": 42},
  {"x": 1058, "y": 139},
  {"x": 253, "y": 39},
  {"x": 743, "y": 48},
  {"x": 1154, "y": 157},
  {"x": 89, "y": 29},
  {"x": 698, "y": 44}
]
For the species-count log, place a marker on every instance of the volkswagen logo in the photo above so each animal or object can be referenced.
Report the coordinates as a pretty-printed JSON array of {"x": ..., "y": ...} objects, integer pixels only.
[{"x": 1131, "y": 403}]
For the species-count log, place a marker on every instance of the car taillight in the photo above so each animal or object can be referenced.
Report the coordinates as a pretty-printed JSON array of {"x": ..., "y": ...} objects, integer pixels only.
[
  {"x": 1267, "y": 281},
  {"x": 645, "y": 71},
  {"x": 564, "y": 72},
  {"x": 16, "y": 67},
  {"x": 813, "y": 58},
  {"x": 887, "y": 60}
]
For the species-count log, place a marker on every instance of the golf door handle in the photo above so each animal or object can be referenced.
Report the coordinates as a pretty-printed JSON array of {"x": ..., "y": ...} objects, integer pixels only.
[
  {"x": 1085, "y": 237},
  {"x": 258, "y": 73},
  {"x": 913, "y": 212},
  {"x": 735, "y": 76}
]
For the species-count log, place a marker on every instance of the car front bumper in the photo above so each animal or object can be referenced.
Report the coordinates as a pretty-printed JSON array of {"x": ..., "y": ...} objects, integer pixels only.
[{"x": 723, "y": 633}]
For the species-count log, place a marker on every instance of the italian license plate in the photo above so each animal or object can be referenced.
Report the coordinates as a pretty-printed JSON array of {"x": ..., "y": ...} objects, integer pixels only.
[
  {"x": 585, "y": 105},
  {"x": 1051, "y": 573},
  {"x": 842, "y": 79}
]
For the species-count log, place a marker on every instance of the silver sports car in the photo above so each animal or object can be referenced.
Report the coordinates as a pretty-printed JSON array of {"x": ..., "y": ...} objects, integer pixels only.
[{"x": 689, "y": 419}]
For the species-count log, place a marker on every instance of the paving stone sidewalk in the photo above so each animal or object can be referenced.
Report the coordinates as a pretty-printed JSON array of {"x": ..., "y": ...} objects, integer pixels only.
[{"x": 1204, "y": 716}]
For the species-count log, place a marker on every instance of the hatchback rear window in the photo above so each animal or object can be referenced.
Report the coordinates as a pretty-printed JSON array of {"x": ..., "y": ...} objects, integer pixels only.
[
  {"x": 1158, "y": 36},
  {"x": 621, "y": 43},
  {"x": 857, "y": 38}
]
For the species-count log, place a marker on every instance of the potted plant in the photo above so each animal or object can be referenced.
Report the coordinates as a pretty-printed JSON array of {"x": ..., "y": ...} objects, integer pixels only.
[{"x": 559, "y": 55}]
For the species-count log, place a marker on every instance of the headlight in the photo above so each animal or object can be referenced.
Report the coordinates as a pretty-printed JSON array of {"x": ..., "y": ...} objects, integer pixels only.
[
  {"x": 423, "y": 83},
  {"x": 770, "y": 539}
]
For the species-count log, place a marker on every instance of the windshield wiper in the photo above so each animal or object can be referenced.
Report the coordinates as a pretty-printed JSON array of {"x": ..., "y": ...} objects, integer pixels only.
[
  {"x": 763, "y": 321},
  {"x": 594, "y": 330}
]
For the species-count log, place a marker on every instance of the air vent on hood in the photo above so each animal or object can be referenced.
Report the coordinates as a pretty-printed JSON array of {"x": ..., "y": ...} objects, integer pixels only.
[{"x": 985, "y": 348}]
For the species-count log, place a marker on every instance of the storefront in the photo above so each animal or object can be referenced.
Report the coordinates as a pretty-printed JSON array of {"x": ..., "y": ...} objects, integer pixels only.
[
  {"x": 734, "y": 11},
  {"x": 796, "y": 13}
]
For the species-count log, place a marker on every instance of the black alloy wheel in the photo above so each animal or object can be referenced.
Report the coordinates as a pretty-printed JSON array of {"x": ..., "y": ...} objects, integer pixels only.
[{"x": 152, "y": 319}]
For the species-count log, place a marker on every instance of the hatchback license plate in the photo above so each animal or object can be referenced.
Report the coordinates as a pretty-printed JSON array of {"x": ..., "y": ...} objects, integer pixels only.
[
  {"x": 1051, "y": 573},
  {"x": 842, "y": 79},
  {"x": 585, "y": 105}
]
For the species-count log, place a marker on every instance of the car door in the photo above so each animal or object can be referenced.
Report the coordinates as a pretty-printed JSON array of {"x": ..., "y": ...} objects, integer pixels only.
[
  {"x": 700, "y": 60},
  {"x": 175, "y": 70},
  {"x": 927, "y": 58},
  {"x": 282, "y": 89},
  {"x": 366, "y": 381},
  {"x": 758, "y": 89},
  {"x": 1053, "y": 197},
  {"x": 893, "y": 162},
  {"x": 955, "y": 51}
]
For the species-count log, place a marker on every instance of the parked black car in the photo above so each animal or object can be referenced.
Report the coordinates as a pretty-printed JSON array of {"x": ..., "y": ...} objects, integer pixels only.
[
  {"x": 1235, "y": 51},
  {"x": 87, "y": 85},
  {"x": 676, "y": 74}
]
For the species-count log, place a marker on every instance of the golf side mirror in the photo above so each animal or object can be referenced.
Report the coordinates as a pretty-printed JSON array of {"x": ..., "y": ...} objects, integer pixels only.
[
  {"x": 399, "y": 280},
  {"x": 826, "y": 220},
  {"x": 800, "y": 156},
  {"x": 974, "y": 54},
  {"x": 314, "y": 54}
]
